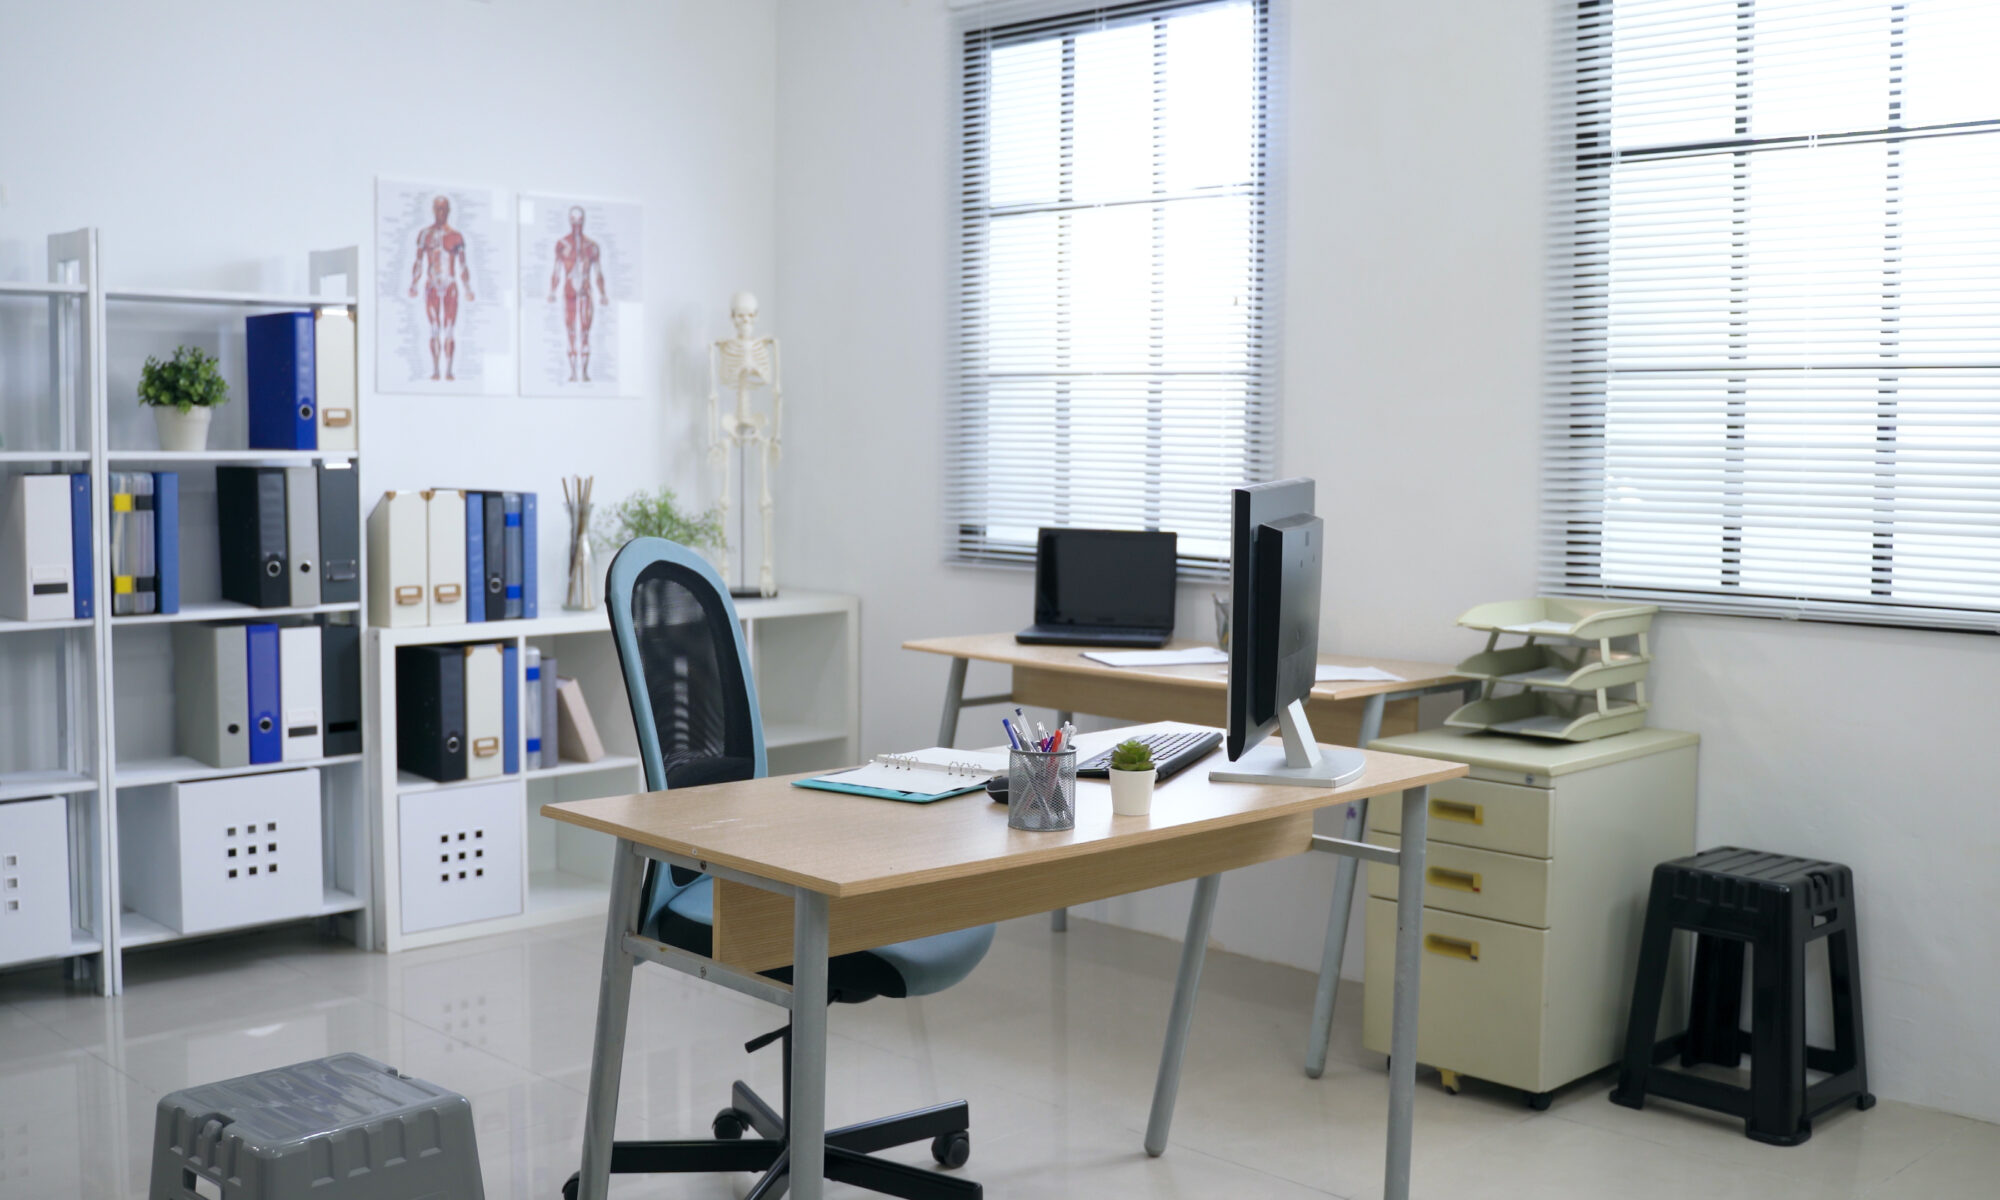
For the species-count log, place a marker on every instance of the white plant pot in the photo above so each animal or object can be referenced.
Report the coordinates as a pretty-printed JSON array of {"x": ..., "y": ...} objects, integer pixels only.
[
  {"x": 1132, "y": 791},
  {"x": 182, "y": 430}
]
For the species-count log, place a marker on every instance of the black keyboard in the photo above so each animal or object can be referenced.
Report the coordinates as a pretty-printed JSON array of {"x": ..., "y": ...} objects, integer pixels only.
[{"x": 1171, "y": 752}]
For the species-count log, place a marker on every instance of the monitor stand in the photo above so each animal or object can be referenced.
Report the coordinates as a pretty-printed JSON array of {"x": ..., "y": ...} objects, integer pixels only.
[{"x": 1298, "y": 760}]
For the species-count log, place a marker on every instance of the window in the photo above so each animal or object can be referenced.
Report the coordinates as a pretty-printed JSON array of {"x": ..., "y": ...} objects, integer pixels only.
[
  {"x": 1114, "y": 359},
  {"x": 1775, "y": 308}
]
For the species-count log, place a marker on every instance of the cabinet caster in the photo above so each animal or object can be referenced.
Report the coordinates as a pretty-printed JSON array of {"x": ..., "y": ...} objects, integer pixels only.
[
  {"x": 1539, "y": 1101},
  {"x": 952, "y": 1149},
  {"x": 1451, "y": 1082}
]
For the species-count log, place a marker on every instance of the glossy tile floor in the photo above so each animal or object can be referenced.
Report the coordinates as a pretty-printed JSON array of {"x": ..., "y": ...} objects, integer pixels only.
[{"x": 1053, "y": 1040}]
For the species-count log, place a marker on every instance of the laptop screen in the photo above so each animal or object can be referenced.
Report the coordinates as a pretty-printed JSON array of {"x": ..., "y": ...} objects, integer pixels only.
[{"x": 1105, "y": 577}]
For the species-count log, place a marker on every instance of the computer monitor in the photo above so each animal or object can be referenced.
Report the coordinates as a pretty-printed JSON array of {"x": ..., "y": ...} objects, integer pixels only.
[{"x": 1275, "y": 545}]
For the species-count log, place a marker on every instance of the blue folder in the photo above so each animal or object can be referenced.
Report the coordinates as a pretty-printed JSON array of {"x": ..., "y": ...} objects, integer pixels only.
[
  {"x": 510, "y": 708},
  {"x": 535, "y": 734},
  {"x": 282, "y": 381},
  {"x": 81, "y": 580},
  {"x": 267, "y": 735},
  {"x": 825, "y": 783},
  {"x": 475, "y": 557},
  {"x": 511, "y": 548},
  {"x": 167, "y": 540},
  {"x": 530, "y": 587}
]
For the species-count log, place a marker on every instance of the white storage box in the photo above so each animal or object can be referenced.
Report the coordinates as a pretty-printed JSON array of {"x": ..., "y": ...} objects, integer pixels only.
[
  {"x": 34, "y": 879},
  {"x": 222, "y": 853},
  {"x": 462, "y": 854},
  {"x": 399, "y": 561}
]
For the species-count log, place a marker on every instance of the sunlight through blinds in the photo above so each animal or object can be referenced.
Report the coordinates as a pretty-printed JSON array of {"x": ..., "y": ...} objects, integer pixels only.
[
  {"x": 1113, "y": 363},
  {"x": 1774, "y": 351}
]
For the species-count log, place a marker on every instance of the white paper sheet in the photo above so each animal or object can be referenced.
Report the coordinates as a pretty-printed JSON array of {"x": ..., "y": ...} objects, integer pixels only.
[
  {"x": 1195, "y": 656},
  {"x": 1335, "y": 673},
  {"x": 938, "y": 769}
]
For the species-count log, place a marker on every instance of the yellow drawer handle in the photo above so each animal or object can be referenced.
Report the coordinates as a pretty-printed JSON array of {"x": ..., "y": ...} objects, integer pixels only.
[
  {"x": 485, "y": 747},
  {"x": 337, "y": 418},
  {"x": 1457, "y": 881},
  {"x": 447, "y": 593},
  {"x": 409, "y": 595},
  {"x": 1452, "y": 947},
  {"x": 1454, "y": 810}
]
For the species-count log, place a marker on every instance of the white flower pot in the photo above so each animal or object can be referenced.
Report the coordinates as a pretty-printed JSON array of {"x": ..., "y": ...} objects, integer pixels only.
[
  {"x": 182, "y": 430},
  {"x": 1132, "y": 791}
]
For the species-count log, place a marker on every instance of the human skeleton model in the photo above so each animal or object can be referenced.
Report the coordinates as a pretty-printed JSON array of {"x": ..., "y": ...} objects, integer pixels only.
[
  {"x": 441, "y": 264},
  {"x": 577, "y": 263},
  {"x": 745, "y": 362}
]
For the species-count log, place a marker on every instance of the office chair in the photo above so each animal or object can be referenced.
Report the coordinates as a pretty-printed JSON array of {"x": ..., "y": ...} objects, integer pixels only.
[{"x": 694, "y": 705}]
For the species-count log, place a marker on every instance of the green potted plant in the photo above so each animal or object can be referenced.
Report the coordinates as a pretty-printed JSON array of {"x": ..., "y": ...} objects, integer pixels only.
[
  {"x": 1132, "y": 777},
  {"x": 181, "y": 391},
  {"x": 658, "y": 514}
]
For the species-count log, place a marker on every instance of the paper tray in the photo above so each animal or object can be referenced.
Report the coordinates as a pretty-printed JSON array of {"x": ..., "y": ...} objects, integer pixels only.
[
  {"x": 1549, "y": 715},
  {"x": 1565, "y": 668},
  {"x": 1550, "y": 616}
]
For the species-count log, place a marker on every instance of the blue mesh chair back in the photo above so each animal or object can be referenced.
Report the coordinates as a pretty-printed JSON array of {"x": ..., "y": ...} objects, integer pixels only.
[{"x": 687, "y": 674}]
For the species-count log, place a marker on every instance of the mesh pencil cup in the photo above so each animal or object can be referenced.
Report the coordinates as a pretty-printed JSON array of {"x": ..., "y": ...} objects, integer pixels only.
[{"x": 1041, "y": 789}]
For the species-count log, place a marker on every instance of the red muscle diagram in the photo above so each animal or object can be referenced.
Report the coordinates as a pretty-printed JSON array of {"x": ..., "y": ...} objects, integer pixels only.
[
  {"x": 442, "y": 267},
  {"x": 578, "y": 263}
]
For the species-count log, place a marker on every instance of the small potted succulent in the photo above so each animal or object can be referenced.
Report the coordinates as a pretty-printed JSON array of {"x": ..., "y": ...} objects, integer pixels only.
[
  {"x": 181, "y": 391},
  {"x": 1132, "y": 776}
]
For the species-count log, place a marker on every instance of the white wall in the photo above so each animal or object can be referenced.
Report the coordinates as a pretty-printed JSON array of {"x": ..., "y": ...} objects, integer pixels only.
[
  {"x": 215, "y": 144},
  {"x": 1415, "y": 230}
]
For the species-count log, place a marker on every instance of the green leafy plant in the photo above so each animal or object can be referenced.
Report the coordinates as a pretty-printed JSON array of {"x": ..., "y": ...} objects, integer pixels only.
[
  {"x": 659, "y": 514},
  {"x": 191, "y": 379},
  {"x": 1131, "y": 755}
]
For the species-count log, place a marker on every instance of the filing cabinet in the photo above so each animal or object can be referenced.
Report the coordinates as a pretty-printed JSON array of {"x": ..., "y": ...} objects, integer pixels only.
[{"x": 1536, "y": 873}]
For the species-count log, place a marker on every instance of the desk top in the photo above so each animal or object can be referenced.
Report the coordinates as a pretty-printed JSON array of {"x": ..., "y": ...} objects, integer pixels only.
[
  {"x": 842, "y": 845},
  {"x": 1002, "y": 648}
]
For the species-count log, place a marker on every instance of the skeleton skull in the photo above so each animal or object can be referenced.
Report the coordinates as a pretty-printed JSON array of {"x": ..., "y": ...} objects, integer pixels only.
[{"x": 743, "y": 312}]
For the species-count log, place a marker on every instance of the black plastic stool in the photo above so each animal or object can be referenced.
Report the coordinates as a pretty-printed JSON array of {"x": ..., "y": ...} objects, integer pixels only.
[{"x": 1731, "y": 898}]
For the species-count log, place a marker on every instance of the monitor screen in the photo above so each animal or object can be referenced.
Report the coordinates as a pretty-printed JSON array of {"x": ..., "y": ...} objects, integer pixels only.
[{"x": 1105, "y": 577}]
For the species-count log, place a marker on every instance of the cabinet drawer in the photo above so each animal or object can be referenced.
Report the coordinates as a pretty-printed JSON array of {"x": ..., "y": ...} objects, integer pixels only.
[
  {"x": 1479, "y": 1004},
  {"x": 1476, "y": 812},
  {"x": 1479, "y": 883}
]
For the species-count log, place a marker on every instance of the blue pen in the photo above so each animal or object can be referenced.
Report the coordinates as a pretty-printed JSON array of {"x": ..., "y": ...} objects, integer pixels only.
[{"x": 1013, "y": 741}]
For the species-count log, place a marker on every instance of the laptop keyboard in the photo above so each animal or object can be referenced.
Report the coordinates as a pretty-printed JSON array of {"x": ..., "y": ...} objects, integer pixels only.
[{"x": 1171, "y": 752}]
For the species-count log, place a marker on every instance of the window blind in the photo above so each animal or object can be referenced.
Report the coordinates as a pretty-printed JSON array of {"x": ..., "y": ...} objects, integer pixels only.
[
  {"x": 1774, "y": 351},
  {"x": 1114, "y": 358}
]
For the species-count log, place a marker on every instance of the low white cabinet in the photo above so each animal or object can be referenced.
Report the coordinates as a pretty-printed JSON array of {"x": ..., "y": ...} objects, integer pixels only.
[
  {"x": 1536, "y": 874},
  {"x": 34, "y": 879},
  {"x": 222, "y": 853}
]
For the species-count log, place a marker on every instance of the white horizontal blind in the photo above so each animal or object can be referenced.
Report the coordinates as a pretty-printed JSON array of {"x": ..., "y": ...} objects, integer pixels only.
[
  {"x": 1774, "y": 352},
  {"x": 1113, "y": 359}
]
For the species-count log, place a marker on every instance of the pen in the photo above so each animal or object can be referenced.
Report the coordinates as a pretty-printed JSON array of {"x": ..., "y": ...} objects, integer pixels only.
[{"x": 1013, "y": 741}]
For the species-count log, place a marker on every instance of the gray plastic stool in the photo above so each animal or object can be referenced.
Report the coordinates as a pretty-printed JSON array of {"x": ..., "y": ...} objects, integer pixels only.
[{"x": 338, "y": 1128}]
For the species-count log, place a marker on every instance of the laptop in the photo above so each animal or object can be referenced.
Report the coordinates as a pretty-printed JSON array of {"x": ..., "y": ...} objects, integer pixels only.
[{"x": 1102, "y": 587}]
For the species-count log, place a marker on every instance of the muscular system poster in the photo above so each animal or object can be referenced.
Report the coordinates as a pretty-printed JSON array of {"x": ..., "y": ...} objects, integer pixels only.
[
  {"x": 444, "y": 288},
  {"x": 582, "y": 297}
]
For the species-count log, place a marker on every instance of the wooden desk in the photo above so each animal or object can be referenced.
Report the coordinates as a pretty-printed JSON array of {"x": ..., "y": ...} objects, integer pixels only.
[
  {"x": 1346, "y": 714},
  {"x": 805, "y": 875},
  {"x": 1060, "y": 677}
]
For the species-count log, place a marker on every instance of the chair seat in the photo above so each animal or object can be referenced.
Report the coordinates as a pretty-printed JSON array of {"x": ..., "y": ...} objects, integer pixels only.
[{"x": 914, "y": 968}]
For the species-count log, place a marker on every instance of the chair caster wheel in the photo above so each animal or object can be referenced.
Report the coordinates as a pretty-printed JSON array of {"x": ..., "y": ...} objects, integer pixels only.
[
  {"x": 728, "y": 1125},
  {"x": 1539, "y": 1101},
  {"x": 1865, "y": 1101},
  {"x": 570, "y": 1187},
  {"x": 952, "y": 1149}
]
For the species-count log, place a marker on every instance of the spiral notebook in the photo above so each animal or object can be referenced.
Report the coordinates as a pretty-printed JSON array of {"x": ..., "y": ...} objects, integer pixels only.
[{"x": 918, "y": 777}]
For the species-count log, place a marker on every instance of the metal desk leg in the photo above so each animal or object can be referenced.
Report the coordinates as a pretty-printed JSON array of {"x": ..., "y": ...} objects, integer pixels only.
[
  {"x": 1168, "y": 1086},
  {"x": 807, "y": 1130},
  {"x": 1059, "y": 919},
  {"x": 614, "y": 997},
  {"x": 1344, "y": 872},
  {"x": 954, "y": 692},
  {"x": 1403, "y": 1032}
]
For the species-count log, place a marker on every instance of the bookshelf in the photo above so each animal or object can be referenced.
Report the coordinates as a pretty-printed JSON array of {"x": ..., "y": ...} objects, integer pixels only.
[
  {"x": 110, "y": 726},
  {"x": 805, "y": 655}
]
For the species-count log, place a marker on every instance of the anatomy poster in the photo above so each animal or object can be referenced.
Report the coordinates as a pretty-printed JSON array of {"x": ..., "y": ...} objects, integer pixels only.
[
  {"x": 444, "y": 288},
  {"x": 582, "y": 300}
]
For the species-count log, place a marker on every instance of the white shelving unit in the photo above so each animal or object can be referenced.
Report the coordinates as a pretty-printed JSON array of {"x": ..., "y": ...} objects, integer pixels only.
[
  {"x": 805, "y": 654},
  {"x": 111, "y": 723}
]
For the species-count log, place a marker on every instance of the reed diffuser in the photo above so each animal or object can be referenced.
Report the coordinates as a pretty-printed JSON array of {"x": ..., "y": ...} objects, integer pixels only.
[{"x": 582, "y": 593}]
